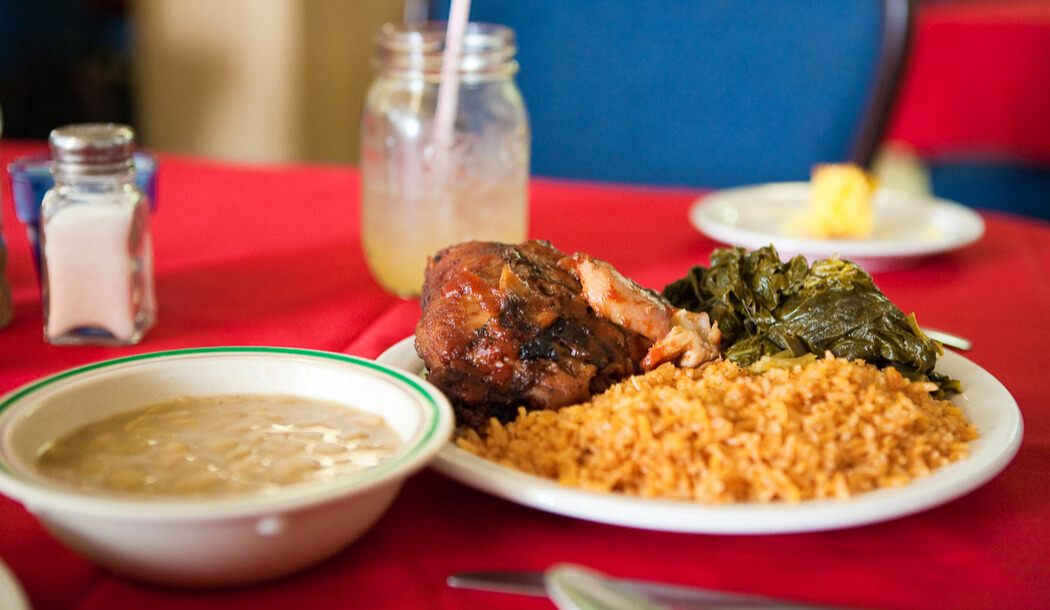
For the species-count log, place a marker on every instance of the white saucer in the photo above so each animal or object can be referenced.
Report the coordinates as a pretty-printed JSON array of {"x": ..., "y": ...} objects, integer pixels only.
[
  {"x": 907, "y": 227},
  {"x": 11, "y": 595}
]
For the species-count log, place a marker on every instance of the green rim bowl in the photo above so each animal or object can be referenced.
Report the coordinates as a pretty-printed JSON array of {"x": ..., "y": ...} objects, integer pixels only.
[{"x": 223, "y": 541}]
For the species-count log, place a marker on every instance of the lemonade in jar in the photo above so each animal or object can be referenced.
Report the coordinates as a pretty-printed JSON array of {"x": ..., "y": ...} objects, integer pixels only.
[{"x": 417, "y": 197}]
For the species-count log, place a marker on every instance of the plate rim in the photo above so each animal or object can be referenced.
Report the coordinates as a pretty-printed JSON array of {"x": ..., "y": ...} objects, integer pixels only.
[
  {"x": 12, "y": 595},
  {"x": 684, "y": 516},
  {"x": 703, "y": 215}
]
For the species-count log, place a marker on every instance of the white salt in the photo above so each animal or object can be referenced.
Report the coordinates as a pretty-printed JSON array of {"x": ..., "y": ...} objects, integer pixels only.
[{"x": 89, "y": 270}]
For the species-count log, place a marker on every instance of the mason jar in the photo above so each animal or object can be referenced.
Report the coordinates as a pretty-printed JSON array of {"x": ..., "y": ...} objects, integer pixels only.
[{"x": 417, "y": 196}]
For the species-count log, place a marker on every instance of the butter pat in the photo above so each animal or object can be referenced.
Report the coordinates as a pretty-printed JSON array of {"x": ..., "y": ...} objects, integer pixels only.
[{"x": 840, "y": 202}]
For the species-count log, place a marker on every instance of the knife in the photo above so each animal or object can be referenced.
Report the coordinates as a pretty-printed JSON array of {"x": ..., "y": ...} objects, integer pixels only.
[
  {"x": 677, "y": 596},
  {"x": 946, "y": 338}
]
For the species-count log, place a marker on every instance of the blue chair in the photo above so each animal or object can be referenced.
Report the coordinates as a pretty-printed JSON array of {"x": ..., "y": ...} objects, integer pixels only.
[
  {"x": 702, "y": 92},
  {"x": 1004, "y": 184}
]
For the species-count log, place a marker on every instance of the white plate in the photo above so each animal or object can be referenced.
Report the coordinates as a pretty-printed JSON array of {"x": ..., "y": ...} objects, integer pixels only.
[
  {"x": 907, "y": 227},
  {"x": 985, "y": 402},
  {"x": 11, "y": 595}
]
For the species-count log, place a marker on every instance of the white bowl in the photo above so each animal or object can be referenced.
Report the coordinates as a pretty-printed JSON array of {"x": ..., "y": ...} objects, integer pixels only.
[{"x": 225, "y": 541}]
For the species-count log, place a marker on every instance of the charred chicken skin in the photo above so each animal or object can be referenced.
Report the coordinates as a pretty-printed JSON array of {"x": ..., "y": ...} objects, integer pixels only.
[{"x": 505, "y": 326}]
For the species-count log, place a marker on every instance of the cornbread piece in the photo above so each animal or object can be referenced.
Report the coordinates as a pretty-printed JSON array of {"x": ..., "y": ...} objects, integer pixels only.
[{"x": 840, "y": 203}]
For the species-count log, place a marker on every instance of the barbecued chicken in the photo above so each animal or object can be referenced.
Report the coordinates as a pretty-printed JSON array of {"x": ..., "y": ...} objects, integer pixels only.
[
  {"x": 678, "y": 335},
  {"x": 524, "y": 325}
]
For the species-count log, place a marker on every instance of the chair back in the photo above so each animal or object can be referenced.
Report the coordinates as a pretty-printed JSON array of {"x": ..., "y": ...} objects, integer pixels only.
[{"x": 702, "y": 92}]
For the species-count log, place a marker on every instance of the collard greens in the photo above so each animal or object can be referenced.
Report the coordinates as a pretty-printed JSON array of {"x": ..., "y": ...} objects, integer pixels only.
[{"x": 767, "y": 307}]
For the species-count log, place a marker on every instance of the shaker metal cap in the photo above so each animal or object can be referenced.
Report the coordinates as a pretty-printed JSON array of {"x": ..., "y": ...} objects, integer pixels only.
[{"x": 92, "y": 148}]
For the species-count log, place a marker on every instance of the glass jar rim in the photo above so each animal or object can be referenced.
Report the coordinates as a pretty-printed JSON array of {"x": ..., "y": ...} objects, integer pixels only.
[{"x": 418, "y": 47}]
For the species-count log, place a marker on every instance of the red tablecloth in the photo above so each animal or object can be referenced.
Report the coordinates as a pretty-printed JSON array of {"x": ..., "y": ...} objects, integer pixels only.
[
  {"x": 271, "y": 255},
  {"x": 978, "y": 81}
]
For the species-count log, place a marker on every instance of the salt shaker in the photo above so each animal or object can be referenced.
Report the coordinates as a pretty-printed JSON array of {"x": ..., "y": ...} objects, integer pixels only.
[
  {"x": 409, "y": 209},
  {"x": 97, "y": 255}
]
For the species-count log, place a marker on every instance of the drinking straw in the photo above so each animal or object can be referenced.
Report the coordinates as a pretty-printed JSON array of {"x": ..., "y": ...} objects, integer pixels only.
[{"x": 448, "y": 88}]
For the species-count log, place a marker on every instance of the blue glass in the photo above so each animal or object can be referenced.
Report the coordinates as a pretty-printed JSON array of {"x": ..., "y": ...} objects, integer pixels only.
[{"x": 31, "y": 180}]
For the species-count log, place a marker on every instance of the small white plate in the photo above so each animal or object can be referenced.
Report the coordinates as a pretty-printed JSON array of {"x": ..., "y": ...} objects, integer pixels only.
[
  {"x": 907, "y": 227},
  {"x": 985, "y": 401},
  {"x": 11, "y": 595}
]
